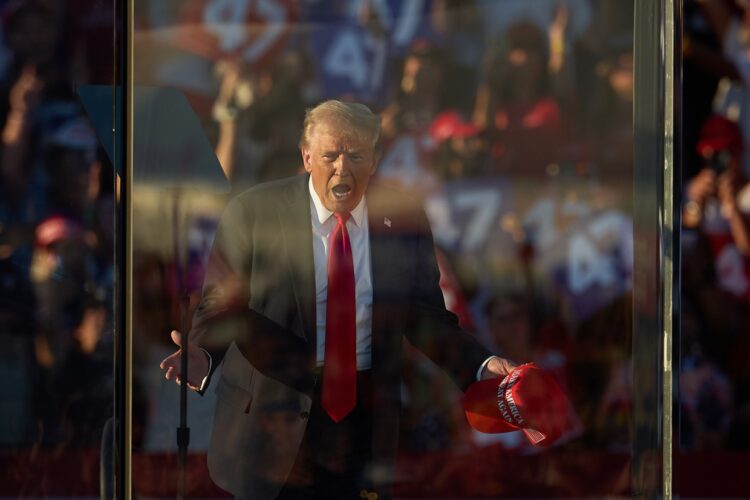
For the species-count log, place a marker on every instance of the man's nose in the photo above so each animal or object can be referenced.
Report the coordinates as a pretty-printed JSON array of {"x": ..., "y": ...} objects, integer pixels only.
[{"x": 341, "y": 165}]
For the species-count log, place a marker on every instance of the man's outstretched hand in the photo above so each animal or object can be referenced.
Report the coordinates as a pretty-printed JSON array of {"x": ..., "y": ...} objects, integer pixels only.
[
  {"x": 197, "y": 363},
  {"x": 497, "y": 367}
]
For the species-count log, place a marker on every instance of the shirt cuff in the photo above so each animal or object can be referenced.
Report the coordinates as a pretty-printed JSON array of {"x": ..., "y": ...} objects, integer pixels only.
[
  {"x": 210, "y": 364},
  {"x": 482, "y": 366}
]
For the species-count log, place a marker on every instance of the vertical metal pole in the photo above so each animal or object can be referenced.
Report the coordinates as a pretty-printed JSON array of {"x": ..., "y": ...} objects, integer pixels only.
[
  {"x": 676, "y": 203},
  {"x": 118, "y": 55},
  {"x": 122, "y": 153},
  {"x": 183, "y": 431},
  {"x": 657, "y": 243},
  {"x": 669, "y": 244},
  {"x": 650, "y": 151},
  {"x": 128, "y": 172}
]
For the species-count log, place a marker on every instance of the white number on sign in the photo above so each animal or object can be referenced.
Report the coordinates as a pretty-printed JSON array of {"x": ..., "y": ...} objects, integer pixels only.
[
  {"x": 346, "y": 58},
  {"x": 378, "y": 48},
  {"x": 444, "y": 229},
  {"x": 541, "y": 218},
  {"x": 406, "y": 22},
  {"x": 485, "y": 204},
  {"x": 587, "y": 266}
]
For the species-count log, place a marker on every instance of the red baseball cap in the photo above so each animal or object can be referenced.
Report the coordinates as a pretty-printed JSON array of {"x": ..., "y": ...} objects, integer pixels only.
[
  {"x": 527, "y": 399},
  {"x": 450, "y": 124},
  {"x": 55, "y": 229},
  {"x": 719, "y": 133}
]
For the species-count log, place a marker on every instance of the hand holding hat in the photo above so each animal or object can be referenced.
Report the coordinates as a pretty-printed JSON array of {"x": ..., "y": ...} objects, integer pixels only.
[{"x": 528, "y": 399}]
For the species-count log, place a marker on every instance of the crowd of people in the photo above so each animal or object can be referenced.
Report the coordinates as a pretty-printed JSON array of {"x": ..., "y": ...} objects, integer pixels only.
[
  {"x": 715, "y": 383},
  {"x": 516, "y": 130},
  {"x": 56, "y": 233}
]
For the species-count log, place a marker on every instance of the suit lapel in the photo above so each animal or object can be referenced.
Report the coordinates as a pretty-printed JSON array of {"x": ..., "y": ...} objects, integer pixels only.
[
  {"x": 380, "y": 222},
  {"x": 294, "y": 215}
]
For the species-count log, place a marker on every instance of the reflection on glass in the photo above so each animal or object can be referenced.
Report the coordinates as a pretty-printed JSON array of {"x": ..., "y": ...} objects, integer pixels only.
[
  {"x": 56, "y": 250},
  {"x": 510, "y": 122}
]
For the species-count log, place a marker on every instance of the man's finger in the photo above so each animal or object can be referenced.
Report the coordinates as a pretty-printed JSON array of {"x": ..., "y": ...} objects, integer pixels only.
[
  {"x": 176, "y": 337},
  {"x": 166, "y": 362},
  {"x": 170, "y": 360}
]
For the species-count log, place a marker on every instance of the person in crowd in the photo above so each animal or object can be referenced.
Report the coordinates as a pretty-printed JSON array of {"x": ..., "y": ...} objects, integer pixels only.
[
  {"x": 419, "y": 96},
  {"x": 309, "y": 397},
  {"x": 716, "y": 282},
  {"x": 730, "y": 24},
  {"x": 36, "y": 78},
  {"x": 255, "y": 111},
  {"x": 517, "y": 106},
  {"x": 608, "y": 123},
  {"x": 459, "y": 24},
  {"x": 707, "y": 404},
  {"x": 718, "y": 198},
  {"x": 84, "y": 385},
  {"x": 17, "y": 308},
  {"x": 459, "y": 149},
  {"x": 703, "y": 66},
  {"x": 65, "y": 271},
  {"x": 407, "y": 119}
]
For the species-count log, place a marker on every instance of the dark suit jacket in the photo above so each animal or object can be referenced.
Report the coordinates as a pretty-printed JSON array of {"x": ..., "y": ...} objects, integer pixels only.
[{"x": 259, "y": 299}]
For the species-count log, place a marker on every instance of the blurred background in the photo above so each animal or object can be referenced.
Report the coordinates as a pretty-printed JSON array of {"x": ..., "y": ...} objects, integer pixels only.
[{"x": 511, "y": 119}]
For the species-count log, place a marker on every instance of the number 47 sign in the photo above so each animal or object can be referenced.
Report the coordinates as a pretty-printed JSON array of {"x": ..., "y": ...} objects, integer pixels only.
[{"x": 351, "y": 62}]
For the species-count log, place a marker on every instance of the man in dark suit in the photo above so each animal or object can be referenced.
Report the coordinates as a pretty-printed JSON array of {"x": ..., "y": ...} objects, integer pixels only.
[{"x": 313, "y": 286}]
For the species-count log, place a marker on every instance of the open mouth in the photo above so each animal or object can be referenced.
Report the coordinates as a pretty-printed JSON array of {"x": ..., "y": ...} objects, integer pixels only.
[{"x": 341, "y": 191}]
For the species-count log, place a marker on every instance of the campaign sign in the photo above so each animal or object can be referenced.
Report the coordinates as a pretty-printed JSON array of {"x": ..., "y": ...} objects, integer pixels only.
[
  {"x": 592, "y": 263},
  {"x": 465, "y": 214},
  {"x": 405, "y": 21},
  {"x": 402, "y": 20},
  {"x": 250, "y": 30},
  {"x": 351, "y": 62},
  {"x": 405, "y": 162}
]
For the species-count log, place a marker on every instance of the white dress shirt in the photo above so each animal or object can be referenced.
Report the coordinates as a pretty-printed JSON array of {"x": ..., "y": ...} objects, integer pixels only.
[{"x": 357, "y": 226}]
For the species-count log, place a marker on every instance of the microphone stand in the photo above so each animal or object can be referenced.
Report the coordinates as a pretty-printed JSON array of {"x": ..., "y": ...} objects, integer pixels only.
[{"x": 183, "y": 431}]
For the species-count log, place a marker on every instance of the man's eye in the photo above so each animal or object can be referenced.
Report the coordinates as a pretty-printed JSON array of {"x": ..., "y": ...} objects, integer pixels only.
[
  {"x": 356, "y": 157},
  {"x": 329, "y": 157}
]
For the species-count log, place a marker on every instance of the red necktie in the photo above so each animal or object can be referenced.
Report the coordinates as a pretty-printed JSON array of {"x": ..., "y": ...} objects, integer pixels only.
[{"x": 339, "y": 392}]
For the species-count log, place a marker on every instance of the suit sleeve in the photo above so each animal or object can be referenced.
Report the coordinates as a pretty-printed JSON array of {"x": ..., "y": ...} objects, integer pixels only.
[
  {"x": 220, "y": 316},
  {"x": 432, "y": 328}
]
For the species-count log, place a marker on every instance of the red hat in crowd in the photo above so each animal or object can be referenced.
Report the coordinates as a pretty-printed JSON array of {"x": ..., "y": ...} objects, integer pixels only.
[
  {"x": 719, "y": 133},
  {"x": 527, "y": 399},
  {"x": 55, "y": 229},
  {"x": 449, "y": 124}
]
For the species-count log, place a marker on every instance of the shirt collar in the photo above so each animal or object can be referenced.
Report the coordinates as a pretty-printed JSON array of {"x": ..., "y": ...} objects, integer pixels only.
[{"x": 322, "y": 214}]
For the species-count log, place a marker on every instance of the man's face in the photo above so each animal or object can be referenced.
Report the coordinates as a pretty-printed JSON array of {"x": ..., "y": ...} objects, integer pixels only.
[{"x": 340, "y": 160}]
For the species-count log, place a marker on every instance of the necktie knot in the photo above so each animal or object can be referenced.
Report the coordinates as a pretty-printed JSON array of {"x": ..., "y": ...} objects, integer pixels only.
[{"x": 342, "y": 218}]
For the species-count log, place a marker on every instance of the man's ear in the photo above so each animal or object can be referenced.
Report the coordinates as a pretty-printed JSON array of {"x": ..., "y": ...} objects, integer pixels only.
[{"x": 306, "y": 159}]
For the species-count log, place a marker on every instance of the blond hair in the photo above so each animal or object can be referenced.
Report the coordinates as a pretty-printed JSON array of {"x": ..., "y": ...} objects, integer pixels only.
[{"x": 355, "y": 115}]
